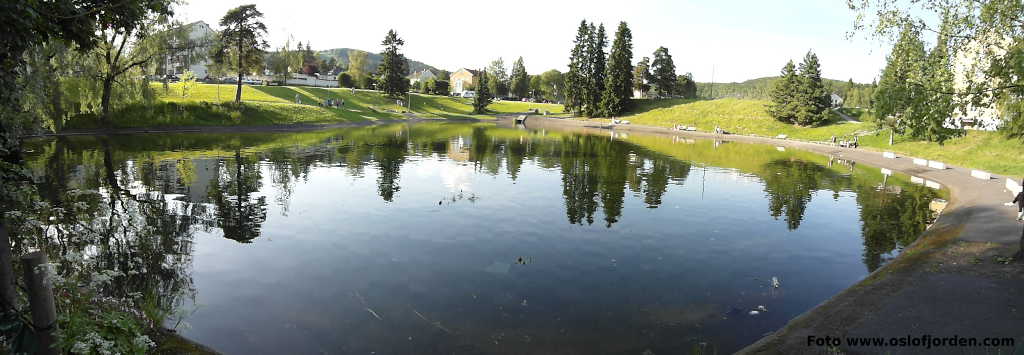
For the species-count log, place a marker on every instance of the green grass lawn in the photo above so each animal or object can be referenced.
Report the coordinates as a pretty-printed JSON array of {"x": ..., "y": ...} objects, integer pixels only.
[
  {"x": 737, "y": 116},
  {"x": 989, "y": 151},
  {"x": 211, "y": 105}
]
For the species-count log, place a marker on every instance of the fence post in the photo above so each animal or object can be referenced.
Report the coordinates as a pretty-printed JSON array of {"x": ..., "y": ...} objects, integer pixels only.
[
  {"x": 7, "y": 295},
  {"x": 40, "y": 299}
]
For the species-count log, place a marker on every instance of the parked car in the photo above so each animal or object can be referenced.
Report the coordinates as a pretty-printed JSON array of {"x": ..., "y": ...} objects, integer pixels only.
[
  {"x": 171, "y": 78},
  {"x": 469, "y": 94}
]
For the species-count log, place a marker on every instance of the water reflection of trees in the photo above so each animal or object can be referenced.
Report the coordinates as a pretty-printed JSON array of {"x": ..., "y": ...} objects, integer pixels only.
[
  {"x": 240, "y": 214},
  {"x": 597, "y": 173},
  {"x": 891, "y": 216},
  {"x": 137, "y": 242}
]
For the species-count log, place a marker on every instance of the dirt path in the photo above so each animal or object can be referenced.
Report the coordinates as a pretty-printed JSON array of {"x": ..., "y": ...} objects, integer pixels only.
[
  {"x": 845, "y": 117},
  {"x": 951, "y": 282}
]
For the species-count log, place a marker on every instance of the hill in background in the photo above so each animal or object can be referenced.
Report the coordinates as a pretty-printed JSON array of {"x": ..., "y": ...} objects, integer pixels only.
[{"x": 341, "y": 55}]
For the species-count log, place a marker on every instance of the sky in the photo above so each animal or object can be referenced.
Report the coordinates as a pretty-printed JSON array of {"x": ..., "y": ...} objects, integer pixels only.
[{"x": 723, "y": 41}]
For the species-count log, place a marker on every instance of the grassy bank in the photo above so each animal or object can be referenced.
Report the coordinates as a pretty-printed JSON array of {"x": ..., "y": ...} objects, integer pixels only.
[
  {"x": 989, "y": 151},
  {"x": 212, "y": 105}
]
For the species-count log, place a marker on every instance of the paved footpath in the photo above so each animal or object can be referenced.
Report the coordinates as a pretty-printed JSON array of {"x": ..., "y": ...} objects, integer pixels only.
[{"x": 952, "y": 282}]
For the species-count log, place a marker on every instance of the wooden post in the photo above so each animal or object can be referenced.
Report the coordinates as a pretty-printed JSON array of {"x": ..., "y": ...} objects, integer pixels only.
[
  {"x": 7, "y": 293},
  {"x": 40, "y": 299}
]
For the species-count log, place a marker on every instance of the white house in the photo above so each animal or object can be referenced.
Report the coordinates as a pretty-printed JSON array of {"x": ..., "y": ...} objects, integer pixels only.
[
  {"x": 967, "y": 66},
  {"x": 200, "y": 39},
  {"x": 422, "y": 75},
  {"x": 837, "y": 101}
]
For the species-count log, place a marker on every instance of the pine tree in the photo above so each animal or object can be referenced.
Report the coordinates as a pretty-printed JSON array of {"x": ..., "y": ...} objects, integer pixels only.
[
  {"x": 520, "y": 79},
  {"x": 782, "y": 106},
  {"x": 595, "y": 79},
  {"x": 618, "y": 88},
  {"x": 812, "y": 101},
  {"x": 663, "y": 72},
  {"x": 393, "y": 67},
  {"x": 579, "y": 64},
  {"x": 483, "y": 94},
  {"x": 894, "y": 96}
]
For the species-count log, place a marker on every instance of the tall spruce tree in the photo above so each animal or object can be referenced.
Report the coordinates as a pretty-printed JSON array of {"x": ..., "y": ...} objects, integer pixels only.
[
  {"x": 393, "y": 67},
  {"x": 783, "y": 95},
  {"x": 595, "y": 79},
  {"x": 618, "y": 86},
  {"x": 520, "y": 80},
  {"x": 812, "y": 100},
  {"x": 579, "y": 67},
  {"x": 663, "y": 72},
  {"x": 483, "y": 94},
  {"x": 896, "y": 92},
  {"x": 642, "y": 76}
]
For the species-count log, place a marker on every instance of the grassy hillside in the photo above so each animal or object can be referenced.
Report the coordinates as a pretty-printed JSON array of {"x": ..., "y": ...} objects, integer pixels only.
[
  {"x": 855, "y": 95},
  {"x": 211, "y": 105},
  {"x": 733, "y": 115},
  {"x": 990, "y": 151}
]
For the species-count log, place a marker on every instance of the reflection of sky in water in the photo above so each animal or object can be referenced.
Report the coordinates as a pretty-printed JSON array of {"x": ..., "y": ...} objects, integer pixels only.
[
  {"x": 661, "y": 272},
  {"x": 462, "y": 260}
]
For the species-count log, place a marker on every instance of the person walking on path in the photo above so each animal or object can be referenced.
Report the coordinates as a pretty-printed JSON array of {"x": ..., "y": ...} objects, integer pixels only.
[{"x": 1019, "y": 200}]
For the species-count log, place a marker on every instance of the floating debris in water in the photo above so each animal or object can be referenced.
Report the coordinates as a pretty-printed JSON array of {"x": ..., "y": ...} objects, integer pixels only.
[
  {"x": 761, "y": 309},
  {"x": 775, "y": 282},
  {"x": 524, "y": 302},
  {"x": 754, "y": 313}
]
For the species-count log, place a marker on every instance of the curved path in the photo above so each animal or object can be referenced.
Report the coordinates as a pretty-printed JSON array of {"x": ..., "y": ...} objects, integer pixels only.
[{"x": 953, "y": 281}]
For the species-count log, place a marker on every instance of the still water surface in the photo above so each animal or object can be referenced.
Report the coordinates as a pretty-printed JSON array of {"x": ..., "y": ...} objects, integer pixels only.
[{"x": 476, "y": 239}]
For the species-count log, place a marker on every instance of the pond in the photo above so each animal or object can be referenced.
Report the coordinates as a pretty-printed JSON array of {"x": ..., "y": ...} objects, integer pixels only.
[{"x": 472, "y": 238}]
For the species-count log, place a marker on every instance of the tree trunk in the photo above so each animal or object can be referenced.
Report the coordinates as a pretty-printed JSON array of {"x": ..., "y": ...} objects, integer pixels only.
[
  {"x": 108, "y": 86},
  {"x": 58, "y": 107},
  {"x": 238, "y": 92},
  {"x": 891, "y": 133}
]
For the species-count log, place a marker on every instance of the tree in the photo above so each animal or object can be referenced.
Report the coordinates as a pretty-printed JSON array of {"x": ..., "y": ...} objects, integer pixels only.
[
  {"x": 783, "y": 95},
  {"x": 686, "y": 87},
  {"x": 642, "y": 76},
  {"x": 345, "y": 80},
  {"x": 618, "y": 86},
  {"x": 552, "y": 85},
  {"x": 663, "y": 72},
  {"x": 241, "y": 40},
  {"x": 129, "y": 40},
  {"x": 520, "y": 81},
  {"x": 393, "y": 67},
  {"x": 187, "y": 83},
  {"x": 579, "y": 67},
  {"x": 536, "y": 85},
  {"x": 483, "y": 94},
  {"x": 895, "y": 95},
  {"x": 498, "y": 80},
  {"x": 595, "y": 77},
  {"x": 359, "y": 66},
  {"x": 440, "y": 87},
  {"x": 985, "y": 36},
  {"x": 812, "y": 101}
]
